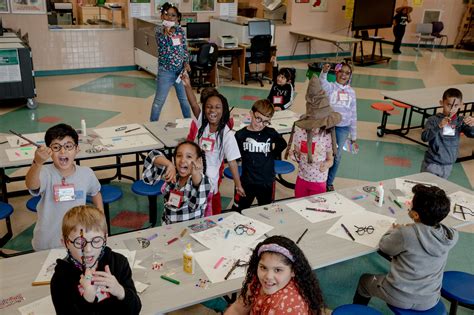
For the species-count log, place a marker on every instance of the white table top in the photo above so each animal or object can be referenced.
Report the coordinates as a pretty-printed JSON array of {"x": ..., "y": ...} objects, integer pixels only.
[
  {"x": 10, "y": 40},
  {"x": 327, "y": 37},
  {"x": 428, "y": 98}
]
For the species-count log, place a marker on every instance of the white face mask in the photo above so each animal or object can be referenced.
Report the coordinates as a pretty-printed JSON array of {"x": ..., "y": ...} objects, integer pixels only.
[{"x": 168, "y": 24}]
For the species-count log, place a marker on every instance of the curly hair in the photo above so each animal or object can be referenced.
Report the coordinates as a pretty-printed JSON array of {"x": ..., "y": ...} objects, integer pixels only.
[
  {"x": 305, "y": 278},
  {"x": 199, "y": 152},
  {"x": 222, "y": 123},
  {"x": 431, "y": 204}
]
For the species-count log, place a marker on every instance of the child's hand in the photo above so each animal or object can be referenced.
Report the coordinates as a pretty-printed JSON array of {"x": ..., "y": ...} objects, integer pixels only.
[
  {"x": 240, "y": 190},
  {"x": 196, "y": 167},
  {"x": 469, "y": 120},
  {"x": 277, "y": 108},
  {"x": 444, "y": 122},
  {"x": 89, "y": 289},
  {"x": 187, "y": 67},
  {"x": 185, "y": 79},
  {"x": 326, "y": 68},
  {"x": 42, "y": 154},
  {"x": 325, "y": 166},
  {"x": 170, "y": 173},
  {"x": 107, "y": 280}
]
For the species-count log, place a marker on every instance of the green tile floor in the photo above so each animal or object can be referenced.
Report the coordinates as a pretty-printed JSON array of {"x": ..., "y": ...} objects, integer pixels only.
[{"x": 120, "y": 85}]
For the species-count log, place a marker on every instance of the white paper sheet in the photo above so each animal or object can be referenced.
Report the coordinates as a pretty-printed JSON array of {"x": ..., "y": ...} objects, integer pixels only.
[
  {"x": 381, "y": 224},
  {"x": 129, "y": 254},
  {"x": 15, "y": 141},
  {"x": 466, "y": 201},
  {"x": 280, "y": 114},
  {"x": 47, "y": 270},
  {"x": 406, "y": 185},
  {"x": 209, "y": 259},
  {"x": 332, "y": 201},
  {"x": 214, "y": 238},
  {"x": 38, "y": 307},
  {"x": 21, "y": 154},
  {"x": 283, "y": 124},
  {"x": 183, "y": 122},
  {"x": 120, "y": 143},
  {"x": 110, "y": 132}
]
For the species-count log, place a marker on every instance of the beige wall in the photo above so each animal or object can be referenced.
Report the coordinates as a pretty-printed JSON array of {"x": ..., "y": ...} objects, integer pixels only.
[{"x": 60, "y": 49}]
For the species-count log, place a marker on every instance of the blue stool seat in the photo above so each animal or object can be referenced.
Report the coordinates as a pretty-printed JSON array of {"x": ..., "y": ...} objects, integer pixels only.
[
  {"x": 354, "y": 309},
  {"x": 109, "y": 194},
  {"x": 458, "y": 288},
  {"x": 438, "y": 309},
  {"x": 281, "y": 167},
  {"x": 6, "y": 211},
  {"x": 32, "y": 203},
  {"x": 152, "y": 192}
]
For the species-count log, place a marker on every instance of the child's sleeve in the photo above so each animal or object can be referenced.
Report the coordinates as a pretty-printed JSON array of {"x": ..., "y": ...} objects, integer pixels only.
[
  {"x": 467, "y": 130},
  {"x": 199, "y": 194},
  {"x": 152, "y": 173},
  {"x": 289, "y": 96},
  {"x": 353, "y": 117},
  {"x": 431, "y": 129},
  {"x": 131, "y": 303},
  {"x": 94, "y": 184},
  {"x": 231, "y": 148},
  {"x": 325, "y": 84},
  {"x": 392, "y": 242},
  {"x": 45, "y": 180},
  {"x": 185, "y": 47},
  {"x": 63, "y": 301},
  {"x": 271, "y": 93}
]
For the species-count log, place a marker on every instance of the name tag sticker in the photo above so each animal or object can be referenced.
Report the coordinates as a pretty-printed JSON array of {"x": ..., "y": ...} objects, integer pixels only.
[{"x": 64, "y": 192}]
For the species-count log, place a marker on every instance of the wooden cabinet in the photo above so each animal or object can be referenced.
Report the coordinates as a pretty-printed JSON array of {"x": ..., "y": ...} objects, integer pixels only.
[{"x": 91, "y": 13}]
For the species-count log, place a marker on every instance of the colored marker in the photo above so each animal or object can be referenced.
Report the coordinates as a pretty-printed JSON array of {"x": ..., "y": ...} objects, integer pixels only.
[
  {"x": 359, "y": 197},
  {"x": 183, "y": 233},
  {"x": 121, "y": 128},
  {"x": 130, "y": 130},
  {"x": 152, "y": 237},
  {"x": 169, "y": 279},
  {"x": 3, "y": 142},
  {"x": 397, "y": 203},
  {"x": 226, "y": 234},
  {"x": 283, "y": 125},
  {"x": 391, "y": 210},
  {"x": 347, "y": 232},
  {"x": 321, "y": 210},
  {"x": 219, "y": 262},
  {"x": 172, "y": 240},
  {"x": 264, "y": 216},
  {"x": 299, "y": 239}
]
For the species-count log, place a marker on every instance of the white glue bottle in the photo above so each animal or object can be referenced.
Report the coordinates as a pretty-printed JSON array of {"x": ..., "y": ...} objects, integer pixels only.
[
  {"x": 188, "y": 260},
  {"x": 83, "y": 128},
  {"x": 380, "y": 193}
]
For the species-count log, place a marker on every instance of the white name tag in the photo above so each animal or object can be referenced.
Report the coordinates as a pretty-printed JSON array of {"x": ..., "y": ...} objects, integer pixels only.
[{"x": 448, "y": 131}]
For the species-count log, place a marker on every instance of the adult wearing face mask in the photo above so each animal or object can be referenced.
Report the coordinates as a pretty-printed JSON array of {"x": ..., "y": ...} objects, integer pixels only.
[{"x": 173, "y": 58}]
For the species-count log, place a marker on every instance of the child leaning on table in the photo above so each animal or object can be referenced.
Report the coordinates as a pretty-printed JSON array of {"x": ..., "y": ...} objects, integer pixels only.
[
  {"x": 279, "y": 281},
  {"x": 442, "y": 132},
  {"x": 419, "y": 252},
  {"x": 186, "y": 188},
  {"x": 61, "y": 185},
  {"x": 92, "y": 279}
]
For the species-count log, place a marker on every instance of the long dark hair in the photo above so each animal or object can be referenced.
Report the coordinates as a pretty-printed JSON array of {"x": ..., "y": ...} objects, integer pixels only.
[
  {"x": 305, "y": 278},
  {"x": 199, "y": 152},
  {"x": 222, "y": 123}
]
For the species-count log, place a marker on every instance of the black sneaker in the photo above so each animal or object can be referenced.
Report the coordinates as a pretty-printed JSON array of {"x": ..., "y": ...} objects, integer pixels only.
[{"x": 330, "y": 188}]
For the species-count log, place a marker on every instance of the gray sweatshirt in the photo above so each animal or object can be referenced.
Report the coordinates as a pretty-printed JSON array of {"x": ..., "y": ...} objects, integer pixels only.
[
  {"x": 419, "y": 256},
  {"x": 443, "y": 149}
]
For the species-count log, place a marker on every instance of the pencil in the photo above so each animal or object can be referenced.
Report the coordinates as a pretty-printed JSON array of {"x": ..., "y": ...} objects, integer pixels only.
[
  {"x": 3, "y": 142},
  {"x": 172, "y": 240},
  {"x": 130, "y": 130},
  {"x": 299, "y": 239},
  {"x": 397, "y": 203},
  {"x": 321, "y": 210},
  {"x": 226, "y": 234},
  {"x": 24, "y": 138},
  {"x": 169, "y": 279},
  {"x": 183, "y": 232},
  {"x": 347, "y": 232}
]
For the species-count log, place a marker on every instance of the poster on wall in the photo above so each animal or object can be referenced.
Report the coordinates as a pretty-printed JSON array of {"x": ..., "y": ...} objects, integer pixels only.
[
  {"x": 28, "y": 6},
  {"x": 203, "y": 6},
  {"x": 349, "y": 10},
  {"x": 4, "y": 6},
  {"x": 319, "y": 5},
  {"x": 139, "y": 8},
  {"x": 159, "y": 4}
]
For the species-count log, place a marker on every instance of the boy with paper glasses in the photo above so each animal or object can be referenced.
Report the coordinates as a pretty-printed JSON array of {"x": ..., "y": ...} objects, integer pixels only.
[
  {"x": 61, "y": 185},
  {"x": 92, "y": 279},
  {"x": 419, "y": 252}
]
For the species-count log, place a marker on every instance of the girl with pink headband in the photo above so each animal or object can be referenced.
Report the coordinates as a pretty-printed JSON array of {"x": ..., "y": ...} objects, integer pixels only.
[{"x": 279, "y": 281}]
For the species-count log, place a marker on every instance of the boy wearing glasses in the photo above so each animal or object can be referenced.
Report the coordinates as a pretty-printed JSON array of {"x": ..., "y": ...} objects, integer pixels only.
[
  {"x": 91, "y": 279},
  {"x": 61, "y": 185},
  {"x": 259, "y": 145},
  {"x": 418, "y": 254}
]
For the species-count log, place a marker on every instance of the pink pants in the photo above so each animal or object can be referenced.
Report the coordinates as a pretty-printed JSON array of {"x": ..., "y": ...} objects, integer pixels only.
[{"x": 304, "y": 188}]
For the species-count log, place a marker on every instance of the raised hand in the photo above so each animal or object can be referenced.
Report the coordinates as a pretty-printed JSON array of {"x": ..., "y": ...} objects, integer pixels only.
[
  {"x": 42, "y": 154},
  {"x": 469, "y": 120},
  {"x": 89, "y": 288},
  {"x": 170, "y": 173},
  {"x": 326, "y": 67},
  {"x": 107, "y": 280},
  {"x": 444, "y": 122}
]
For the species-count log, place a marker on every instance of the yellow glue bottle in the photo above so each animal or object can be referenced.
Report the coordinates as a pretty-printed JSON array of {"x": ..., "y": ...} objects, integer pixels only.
[{"x": 188, "y": 260}]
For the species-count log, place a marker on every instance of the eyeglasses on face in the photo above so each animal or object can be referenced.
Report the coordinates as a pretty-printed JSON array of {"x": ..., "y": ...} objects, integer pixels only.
[
  {"x": 265, "y": 122},
  {"x": 80, "y": 242},
  {"x": 68, "y": 146},
  {"x": 361, "y": 230},
  {"x": 241, "y": 229}
]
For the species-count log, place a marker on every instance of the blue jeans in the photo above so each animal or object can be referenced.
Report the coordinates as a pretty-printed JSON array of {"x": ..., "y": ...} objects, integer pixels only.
[
  {"x": 341, "y": 136},
  {"x": 164, "y": 81}
]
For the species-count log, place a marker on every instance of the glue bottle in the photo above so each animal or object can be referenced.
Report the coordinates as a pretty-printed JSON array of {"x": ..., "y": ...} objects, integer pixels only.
[
  {"x": 380, "y": 193},
  {"x": 83, "y": 128},
  {"x": 188, "y": 260}
]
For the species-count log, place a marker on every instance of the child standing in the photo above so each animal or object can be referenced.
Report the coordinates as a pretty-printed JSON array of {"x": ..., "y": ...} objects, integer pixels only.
[
  {"x": 314, "y": 141},
  {"x": 279, "y": 281},
  {"x": 282, "y": 92},
  {"x": 92, "y": 279},
  {"x": 419, "y": 252},
  {"x": 173, "y": 58},
  {"x": 400, "y": 21},
  {"x": 61, "y": 185},
  {"x": 187, "y": 188},
  {"x": 442, "y": 132},
  {"x": 343, "y": 100},
  {"x": 259, "y": 146}
]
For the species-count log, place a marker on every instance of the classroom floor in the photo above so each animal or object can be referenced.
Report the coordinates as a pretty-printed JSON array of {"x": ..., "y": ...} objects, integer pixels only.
[{"x": 107, "y": 99}]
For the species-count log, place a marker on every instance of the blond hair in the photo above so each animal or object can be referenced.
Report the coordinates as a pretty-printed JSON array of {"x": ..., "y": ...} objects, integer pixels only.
[
  {"x": 264, "y": 107},
  {"x": 89, "y": 217}
]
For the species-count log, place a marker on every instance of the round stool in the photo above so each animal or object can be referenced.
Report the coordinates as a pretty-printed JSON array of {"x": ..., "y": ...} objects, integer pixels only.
[
  {"x": 32, "y": 203},
  {"x": 152, "y": 192},
  {"x": 354, "y": 309},
  {"x": 405, "y": 108},
  {"x": 458, "y": 288},
  {"x": 385, "y": 109},
  {"x": 109, "y": 194},
  {"x": 281, "y": 167},
  {"x": 438, "y": 309},
  {"x": 6, "y": 211},
  {"x": 228, "y": 173}
]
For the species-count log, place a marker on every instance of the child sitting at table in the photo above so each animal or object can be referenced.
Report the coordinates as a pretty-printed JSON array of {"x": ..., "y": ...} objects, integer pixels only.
[
  {"x": 279, "y": 281},
  {"x": 282, "y": 92},
  {"x": 259, "y": 146},
  {"x": 314, "y": 142},
  {"x": 92, "y": 279},
  {"x": 442, "y": 132},
  {"x": 419, "y": 252},
  {"x": 61, "y": 185},
  {"x": 186, "y": 188}
]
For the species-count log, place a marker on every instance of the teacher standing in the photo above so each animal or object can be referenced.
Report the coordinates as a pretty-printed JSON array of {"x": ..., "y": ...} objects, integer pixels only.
[{"x": 173, "y": 58}]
